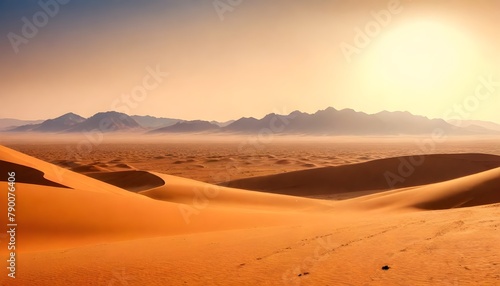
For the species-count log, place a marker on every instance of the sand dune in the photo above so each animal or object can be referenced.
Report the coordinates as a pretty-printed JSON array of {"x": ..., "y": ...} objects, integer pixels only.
[
  {"x": 59, "y": 175},
  {"x": 26, "y": 174},
  {"x": 134, "y": 181},
  {"x": 143, "y": 154},
  {"x": 168, "y": 230},
  {"x": 88, "y": 169},
  {"x": 370, "y": 175},
  {"x": 457, "y": 247},
  {"x": 94, "y": 211},
  {"x": 474, "y": 190},
  {"x": 55, "y": 218},
  {"x": 184, "y": 191}
]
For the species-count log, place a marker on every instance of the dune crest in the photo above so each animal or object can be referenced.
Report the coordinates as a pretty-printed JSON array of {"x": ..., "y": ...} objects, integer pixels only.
[
  {"x": 469, "y": 191},
  {"x": 136, "y": 220},
  {"x": 135, "y": 181},
  {"x": 371, "y": 175},
  {"x": 56, "y": 218},
  {"x": 57, "y": 174},
  {"x": 26, "y": 175}
]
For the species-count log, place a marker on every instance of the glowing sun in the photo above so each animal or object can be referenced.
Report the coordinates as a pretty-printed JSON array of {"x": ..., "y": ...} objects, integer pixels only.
[{"x": 421, "y": 56}]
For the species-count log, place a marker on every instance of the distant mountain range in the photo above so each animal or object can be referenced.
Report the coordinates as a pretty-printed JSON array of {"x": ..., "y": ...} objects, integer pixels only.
[
  {"x": 154, "y": 122},
  {"x": 188, "y": 126},
  {"x": 329, "y": 121},
  {"x": 9, "y": 123},
  {"x": 477, "y": 124},
  {"x": 61, "y": 123},
  {"x": 105, "y": 121}
]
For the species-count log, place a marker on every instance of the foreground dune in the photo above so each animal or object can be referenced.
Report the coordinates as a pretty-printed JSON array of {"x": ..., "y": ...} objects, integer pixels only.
[
  {"x": 58, "y": 175},
  {"x": 77, "y": 230},
  {"x": 87, "y": 210},
  {"x": 452, "y": 247}
]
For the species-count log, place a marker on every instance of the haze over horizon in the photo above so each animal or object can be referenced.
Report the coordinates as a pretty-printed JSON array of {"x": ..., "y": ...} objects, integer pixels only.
[
  {"x": 428, "y": 58},
  {"x": 286, "y": 112}
]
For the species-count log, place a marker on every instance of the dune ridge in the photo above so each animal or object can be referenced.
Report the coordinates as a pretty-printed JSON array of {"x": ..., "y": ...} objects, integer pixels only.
[
  {"x": 103, "y": 212},
  {"x": 135, "y": 181},
  {"x": 370, "y": 176},
  {"x": 26, "y": 175},
  {"x": 168, "y": 229},
  {"x": 473, "y": 190},
  {"x": 57, "y": 174}
]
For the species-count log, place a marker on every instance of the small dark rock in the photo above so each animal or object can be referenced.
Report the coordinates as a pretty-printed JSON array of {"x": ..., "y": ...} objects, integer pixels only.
[
  {"x": 303, "y": 274},
  {"x": 385, "y": 267}
]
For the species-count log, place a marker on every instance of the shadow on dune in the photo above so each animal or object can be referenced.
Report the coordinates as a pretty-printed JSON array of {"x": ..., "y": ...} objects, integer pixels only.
[
  {"x": 134, "y": 181},
  {"x": 484, "y": 191},
  {"x": 469, "y": 191},
  {"x": 25, "y": 175},
  {"x": 371, "y": 175}
]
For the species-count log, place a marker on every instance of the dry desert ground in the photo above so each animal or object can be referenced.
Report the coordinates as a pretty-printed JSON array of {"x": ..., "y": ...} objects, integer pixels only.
[{"x": 303, "y": 211}]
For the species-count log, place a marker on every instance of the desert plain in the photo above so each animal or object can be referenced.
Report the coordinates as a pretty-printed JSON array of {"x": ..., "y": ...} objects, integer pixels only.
[{"x": 175, "y": 210}]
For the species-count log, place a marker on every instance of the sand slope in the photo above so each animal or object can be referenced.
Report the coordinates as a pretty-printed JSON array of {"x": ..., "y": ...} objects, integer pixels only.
[
  {"x": 59, "y": 175},
  {"x": 134, "y": 181},
  {"x": 474, "y": 190},
  {"x": 91, "y": 211},
  {"x": 184, "y": 191},
  {"x": 370, "y": 175},
  {"x": 452, "y": 247},
  {"x": 185, "y": 232},
  {"x": 26, "y": 174}
]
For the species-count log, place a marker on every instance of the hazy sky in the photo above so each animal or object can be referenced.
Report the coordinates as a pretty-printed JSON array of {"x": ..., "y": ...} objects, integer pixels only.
[{"x": 249, "y": 58}]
